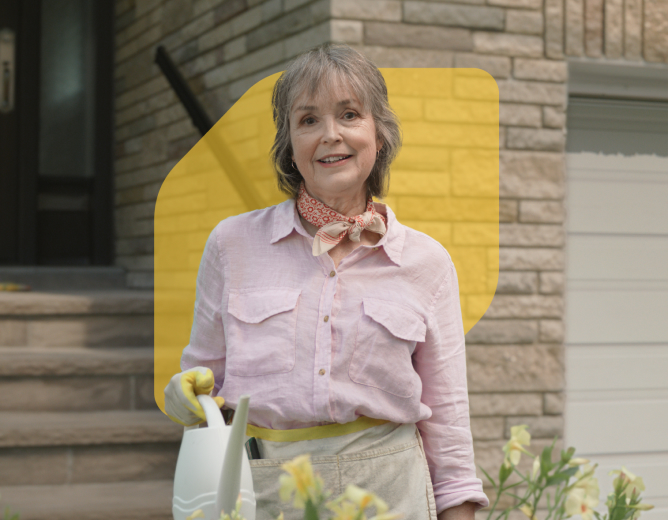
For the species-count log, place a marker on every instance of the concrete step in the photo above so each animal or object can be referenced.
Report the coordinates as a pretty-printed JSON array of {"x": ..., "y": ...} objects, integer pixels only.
[
  {"x": 31, "y": 429},
  {"x": 76, "y": 379},
  {"x": 60, "y": 465},
  {"x": 70, "y": 448},
  {"x": 65, "y": 278},
  {"x": 117, "y": 302},
  {"x": 85, "y": 318},
  {"x": 75, "y": 361},
  {"x": 117, "y": 501}
]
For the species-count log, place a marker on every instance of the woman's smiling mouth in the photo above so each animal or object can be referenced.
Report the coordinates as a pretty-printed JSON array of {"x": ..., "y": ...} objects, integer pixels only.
[{"x": 333, "y": 159}]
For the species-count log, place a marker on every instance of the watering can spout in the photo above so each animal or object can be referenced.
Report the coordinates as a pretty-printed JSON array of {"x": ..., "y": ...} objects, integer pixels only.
[{"x": 230, "y": 477}]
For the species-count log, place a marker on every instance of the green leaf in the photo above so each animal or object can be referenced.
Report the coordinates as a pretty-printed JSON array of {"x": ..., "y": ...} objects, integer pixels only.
[
  {"x": 567, "y": 455},
  {"x": 504, "y": 473},
  {"x": 562, "y": 476},
  {"x": 487, "y": 475},
  {"x": 546, "y": 464},
  {"x": 310, "y": 511}
]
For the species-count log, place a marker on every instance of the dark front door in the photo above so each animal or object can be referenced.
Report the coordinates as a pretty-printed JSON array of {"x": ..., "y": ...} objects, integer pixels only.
[{"x": 55, "y": 132}]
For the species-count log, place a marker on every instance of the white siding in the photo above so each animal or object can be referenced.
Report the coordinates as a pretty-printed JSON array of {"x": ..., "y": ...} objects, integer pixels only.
[{"x": 617, "y": 291}]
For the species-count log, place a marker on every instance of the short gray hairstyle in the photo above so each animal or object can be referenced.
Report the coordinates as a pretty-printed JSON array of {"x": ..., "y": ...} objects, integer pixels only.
[{"x": 323, "y": 65}]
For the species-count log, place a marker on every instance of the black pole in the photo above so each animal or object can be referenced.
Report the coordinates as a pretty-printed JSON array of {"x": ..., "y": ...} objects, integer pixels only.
[
  {"x": 200, "y": 119},
  {"x": 197, "y": 114}
]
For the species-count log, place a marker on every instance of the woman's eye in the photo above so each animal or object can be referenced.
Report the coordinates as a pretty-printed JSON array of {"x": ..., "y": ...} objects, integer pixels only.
[
  {"x": 349, "y": 115},
  {"x": 309, "y": 120}
]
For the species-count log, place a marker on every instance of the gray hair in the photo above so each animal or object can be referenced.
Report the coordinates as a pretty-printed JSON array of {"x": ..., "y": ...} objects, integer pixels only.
[{"x": 323, "y": 65}]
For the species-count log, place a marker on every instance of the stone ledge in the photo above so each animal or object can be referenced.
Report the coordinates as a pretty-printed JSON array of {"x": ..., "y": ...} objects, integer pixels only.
[
  {"x": 118, "y": 302},
  {"x": 55, "y": 361},
  {"x": 150, "y": 500},
  {"x": 61, "y": 465},
  {"x": 19, "y": 429}
]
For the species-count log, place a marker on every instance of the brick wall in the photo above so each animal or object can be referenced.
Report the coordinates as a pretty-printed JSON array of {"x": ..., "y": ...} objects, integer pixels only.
[
  {"x": 222, "y": 48},
  {"x": 515, "y": 353}
]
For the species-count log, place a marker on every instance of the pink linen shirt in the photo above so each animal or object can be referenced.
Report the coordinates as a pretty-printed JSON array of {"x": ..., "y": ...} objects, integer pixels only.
[{"x": 379, "y": 336}]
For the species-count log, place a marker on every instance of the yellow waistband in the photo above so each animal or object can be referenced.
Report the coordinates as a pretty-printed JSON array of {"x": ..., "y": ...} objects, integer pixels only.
[{"x": 314, "y": 432}]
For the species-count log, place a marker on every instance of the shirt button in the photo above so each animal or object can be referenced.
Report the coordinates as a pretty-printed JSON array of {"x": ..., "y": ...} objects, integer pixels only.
[
  {"x": 332, "y": 274},
  {"x": 375, "y": 249},
  {"x": 322, "y": 372},
  {"x": 326, "y": 318}
]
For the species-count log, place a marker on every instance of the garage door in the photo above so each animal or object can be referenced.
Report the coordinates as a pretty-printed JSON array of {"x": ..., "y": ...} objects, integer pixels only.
[{"x": 617, "y": 290}]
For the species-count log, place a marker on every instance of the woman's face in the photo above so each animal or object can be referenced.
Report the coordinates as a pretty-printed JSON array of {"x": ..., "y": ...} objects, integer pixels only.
[{"x": 334, "y": 143}]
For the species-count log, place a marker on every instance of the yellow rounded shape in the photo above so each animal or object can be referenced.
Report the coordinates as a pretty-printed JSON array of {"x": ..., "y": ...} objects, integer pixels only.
[{"x": 445, "y": 183}]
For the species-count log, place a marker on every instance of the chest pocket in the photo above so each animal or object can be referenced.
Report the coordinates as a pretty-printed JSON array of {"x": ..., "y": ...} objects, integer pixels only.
[
  {"x": 260, "y": 331},
  {"x": 386, "y": 336}
]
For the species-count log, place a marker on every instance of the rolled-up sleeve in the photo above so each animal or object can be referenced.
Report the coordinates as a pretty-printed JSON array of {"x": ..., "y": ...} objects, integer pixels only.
[
  {"x": 441, "y": 363},
  {"x": 207, "y": 338}
]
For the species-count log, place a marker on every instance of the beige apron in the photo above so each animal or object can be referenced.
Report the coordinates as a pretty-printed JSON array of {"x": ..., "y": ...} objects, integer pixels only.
[{"x": 387, "y": 460}]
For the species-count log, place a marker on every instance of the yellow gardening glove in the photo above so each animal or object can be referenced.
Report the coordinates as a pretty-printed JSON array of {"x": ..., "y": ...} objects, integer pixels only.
[{"x": 181, "y": 404}]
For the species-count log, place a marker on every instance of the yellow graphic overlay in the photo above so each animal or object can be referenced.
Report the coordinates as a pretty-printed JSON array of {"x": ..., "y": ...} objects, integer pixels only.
[{"x": 445, "y": 182}]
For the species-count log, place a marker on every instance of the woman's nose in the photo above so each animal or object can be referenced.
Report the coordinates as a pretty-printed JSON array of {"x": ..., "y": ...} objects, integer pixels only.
[{"x": 331, "y": 131}]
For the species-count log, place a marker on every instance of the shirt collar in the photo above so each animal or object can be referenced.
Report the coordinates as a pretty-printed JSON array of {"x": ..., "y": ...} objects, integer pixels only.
[{"x": 286, "y": 220}]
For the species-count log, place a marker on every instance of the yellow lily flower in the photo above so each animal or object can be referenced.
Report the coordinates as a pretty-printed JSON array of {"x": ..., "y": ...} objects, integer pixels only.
[
  {"x": 198, "y": 513},
  {"x": 536, "y": 468},
  {"x": 631, "y": 483},
  {"x": 354, "y": 501},
  {"x": 514, "y": 448},
  {"x": 301, "y": 481},
  {"x": 363, "y": 498},
  {"x": 577, "y": 462},
  {"x": 639, "y": 508},
  {"x": 583, "y": 496},
  {"x": 526, "y": 509}
]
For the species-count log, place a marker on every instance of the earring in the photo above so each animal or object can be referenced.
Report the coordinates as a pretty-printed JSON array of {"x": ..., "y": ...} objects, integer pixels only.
[{"x": 294, "y": 166}]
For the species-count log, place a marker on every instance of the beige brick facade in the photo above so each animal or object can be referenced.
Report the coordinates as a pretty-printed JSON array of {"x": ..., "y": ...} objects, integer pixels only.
[{"x": 516, "y": 365}]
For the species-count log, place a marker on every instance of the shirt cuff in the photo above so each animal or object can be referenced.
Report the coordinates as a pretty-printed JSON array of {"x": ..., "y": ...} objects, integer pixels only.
[{"x": 454, "y": 493}]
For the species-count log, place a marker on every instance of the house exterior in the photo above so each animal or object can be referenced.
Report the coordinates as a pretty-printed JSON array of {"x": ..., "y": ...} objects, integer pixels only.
[{"x": 573, "y": 343}]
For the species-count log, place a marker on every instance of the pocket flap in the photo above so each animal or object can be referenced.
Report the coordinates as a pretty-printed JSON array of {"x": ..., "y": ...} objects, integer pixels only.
[
  {"x": 400, "y": 320},
  {"x": 257, "y": 305}
]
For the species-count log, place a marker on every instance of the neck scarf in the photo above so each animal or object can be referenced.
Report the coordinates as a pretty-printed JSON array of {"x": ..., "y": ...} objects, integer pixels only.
[{"x": 334, "y": 226}]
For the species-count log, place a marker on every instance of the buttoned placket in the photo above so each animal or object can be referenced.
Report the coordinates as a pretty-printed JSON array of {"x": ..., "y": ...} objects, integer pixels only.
[
  {"x": 324, "y": 346},
  {"x": 323, "y": 340}
]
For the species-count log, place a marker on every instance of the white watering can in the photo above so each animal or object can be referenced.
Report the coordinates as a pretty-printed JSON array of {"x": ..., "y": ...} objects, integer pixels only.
[{"x": 213, "y": 468}]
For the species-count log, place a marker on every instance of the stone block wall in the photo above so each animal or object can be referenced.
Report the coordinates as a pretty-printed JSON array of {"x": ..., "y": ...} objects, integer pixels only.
[
  {"x": 613, "y": 29},
  {"x": 515, "y": 353},
  {"x": 222, "y": 47}
]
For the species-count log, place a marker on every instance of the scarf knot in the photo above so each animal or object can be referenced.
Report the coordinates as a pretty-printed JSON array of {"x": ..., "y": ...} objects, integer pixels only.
[{"x": 333, "y": 226}]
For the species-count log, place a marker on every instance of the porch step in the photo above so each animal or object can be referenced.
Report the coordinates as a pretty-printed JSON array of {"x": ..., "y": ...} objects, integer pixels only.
[
  {"x": 22, "y": 429},
  {"x": 119, "y": 501},
  {"x": 72, "y": 448},
  {"x": 80, "y": 435},
  {"x": 75, "y": 361},
  {"x": 65, "y": 278},
  {"x": 85, "y": 318},
  {"x": 76, "y": 379}
]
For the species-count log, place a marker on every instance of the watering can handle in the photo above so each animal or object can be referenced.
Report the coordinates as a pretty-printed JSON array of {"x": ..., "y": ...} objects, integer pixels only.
[{"x": 214, "y": 418}]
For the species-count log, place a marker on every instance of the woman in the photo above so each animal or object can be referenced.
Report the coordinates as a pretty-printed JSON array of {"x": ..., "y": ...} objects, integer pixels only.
[{"x": 342, "y": 324}]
